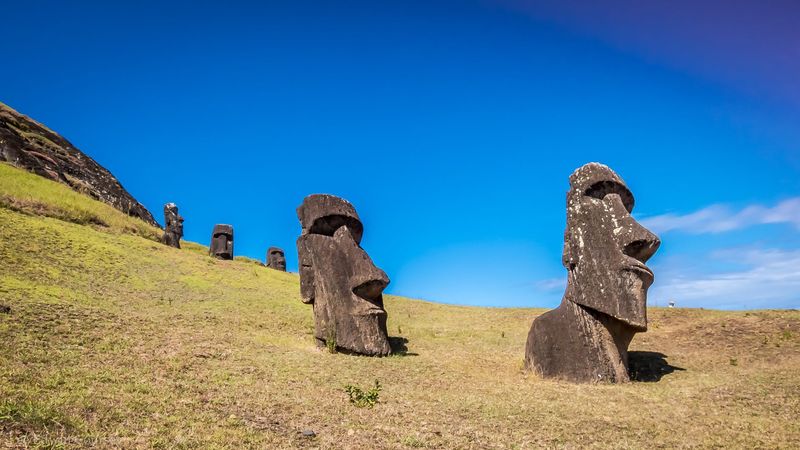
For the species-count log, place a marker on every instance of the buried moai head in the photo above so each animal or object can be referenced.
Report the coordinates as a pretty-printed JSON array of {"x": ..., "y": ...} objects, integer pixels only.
[
  {"x": 339, "y": 279},
  {"x": 173, "y": 226},
  {"x": 605, "y": 250},
  {"x": 221, "y": 242},
  {"x": 276, "y": 259}
]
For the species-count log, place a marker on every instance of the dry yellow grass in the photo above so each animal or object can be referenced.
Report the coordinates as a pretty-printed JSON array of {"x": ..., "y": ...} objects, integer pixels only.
[{"x": 116, "y": 341}]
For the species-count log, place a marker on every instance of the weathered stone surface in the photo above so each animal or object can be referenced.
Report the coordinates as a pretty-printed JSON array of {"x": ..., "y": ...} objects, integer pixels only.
[
  {"x": 586, "y": 338},
  {"x": 339, "y": 278},
  {"x": 28, "y": 144},
  {"x": 276, "y": 259},
  {"x": 221, "y": 242},
  {"x": 173, "y": 226}
]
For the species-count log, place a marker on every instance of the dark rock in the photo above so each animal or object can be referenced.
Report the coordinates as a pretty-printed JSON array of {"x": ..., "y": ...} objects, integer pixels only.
[
  {"x": 222, "y": 242},
  {"x": 5, "y": 309},
  {"x": 340, "y": 279},
  {"x": 173, "y": 226},
  {"x": 29, "y": 145},
  {"x": 308, "y": 433},
  {"x": 605, "y": 250},
  {"x": 276, "y": 259}
]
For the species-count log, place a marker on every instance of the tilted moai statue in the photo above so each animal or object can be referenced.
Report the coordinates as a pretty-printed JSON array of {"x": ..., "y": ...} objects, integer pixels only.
[
  {"x": 586, "y": 338},
  {"x": 222, "y": 242},
  {"x": 276, "y": 259},
  {"x": 173, "y": 226},
  {"x": 339, "y": 279}
]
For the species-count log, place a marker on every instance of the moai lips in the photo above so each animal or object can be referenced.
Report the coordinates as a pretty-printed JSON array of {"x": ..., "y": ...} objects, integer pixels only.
[
  {"x": 276, "y": 259},
  {"x": 605, "y": 250},
  {"x": 339, "y": 278},
  {"x": 173, "y": 226},
  {"x": 221, "y": 242}
]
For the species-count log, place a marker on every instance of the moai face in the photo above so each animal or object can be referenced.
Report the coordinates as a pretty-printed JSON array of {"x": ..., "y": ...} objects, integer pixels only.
[
  {"x": 605, "y": 248},
  {"x": 276, "y": 259},
  {"x": 222, "y": 242},
  {"x": 339, "y": 278},
  {"x": 173, "y": 226}
]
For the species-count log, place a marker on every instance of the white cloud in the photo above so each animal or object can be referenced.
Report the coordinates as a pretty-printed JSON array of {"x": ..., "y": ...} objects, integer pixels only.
[
  {"x": 770, "y": 278},
  {"x": 552, "y": 284},
  {"x": 721, "y": 218}
]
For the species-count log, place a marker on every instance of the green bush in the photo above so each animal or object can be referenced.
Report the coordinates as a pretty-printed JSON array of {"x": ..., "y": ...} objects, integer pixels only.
[{"x": 362, "y": 398}]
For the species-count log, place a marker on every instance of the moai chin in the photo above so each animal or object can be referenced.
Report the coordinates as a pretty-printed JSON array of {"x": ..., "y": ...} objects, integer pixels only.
[
  {"x": 173, "y": 226},
  {"x": 339, "y": 278},
  {"x": 586, "y": 338},
  {"x": 221, "y": 242},
  {"x": 276, "y": 259}
]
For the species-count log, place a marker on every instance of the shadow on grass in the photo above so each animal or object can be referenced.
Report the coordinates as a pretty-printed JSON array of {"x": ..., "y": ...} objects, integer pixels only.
[
  {"x": 649, "y": 366},
  {"x": 399, "y": 347}
]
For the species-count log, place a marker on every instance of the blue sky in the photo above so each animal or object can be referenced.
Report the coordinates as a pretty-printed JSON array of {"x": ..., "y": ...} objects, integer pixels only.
[{"x": 451, "y": 126}]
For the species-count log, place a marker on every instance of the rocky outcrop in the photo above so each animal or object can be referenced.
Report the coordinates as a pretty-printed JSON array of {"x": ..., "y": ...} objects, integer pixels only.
[{"x": 29, "y": 145}]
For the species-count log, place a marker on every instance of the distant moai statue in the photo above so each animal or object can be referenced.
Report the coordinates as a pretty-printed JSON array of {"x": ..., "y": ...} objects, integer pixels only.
[
  {"x": 339, "y": 278},
  {"x": 586, "y": 338},
  {"x": 222, "y": 242},
  {"x": 276, "y": 259},
  {"x": 173, "y": 226}
]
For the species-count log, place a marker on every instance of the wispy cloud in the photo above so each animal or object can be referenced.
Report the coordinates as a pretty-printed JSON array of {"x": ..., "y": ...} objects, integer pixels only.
[
  {"x": 552, "y": 284},
  {"x": 770, "y": 278},
  {"x": 721, "y": 218}
]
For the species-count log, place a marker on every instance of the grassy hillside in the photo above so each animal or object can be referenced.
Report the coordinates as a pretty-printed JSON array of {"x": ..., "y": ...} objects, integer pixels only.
[{"x": 116, "y": 341}]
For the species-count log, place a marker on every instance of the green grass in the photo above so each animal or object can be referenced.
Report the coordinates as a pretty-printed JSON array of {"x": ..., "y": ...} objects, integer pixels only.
[
  {"x": 116, "y": 341},
  {"x": 23, "y": 192}
]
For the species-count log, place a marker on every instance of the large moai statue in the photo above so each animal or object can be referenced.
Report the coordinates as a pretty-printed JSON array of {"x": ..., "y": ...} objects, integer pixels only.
[
  {"x": 276, "y": 259},
  {"x": 339, "y": 279},
  {"x": 173, "y": 226},
  {"x": 586, "y": 338},
  {"x": 221, "y": 242}
]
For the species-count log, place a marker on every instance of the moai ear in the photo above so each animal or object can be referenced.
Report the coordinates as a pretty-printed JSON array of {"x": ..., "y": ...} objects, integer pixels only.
[
  {"x": 307, "y": 287},
  {"x": 569, "y": 254}
]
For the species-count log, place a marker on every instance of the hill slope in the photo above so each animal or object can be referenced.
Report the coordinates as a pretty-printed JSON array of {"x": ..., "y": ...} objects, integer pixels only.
[
  {"x": 116, "y": 341},
  {"x": 30, "y": 145}
]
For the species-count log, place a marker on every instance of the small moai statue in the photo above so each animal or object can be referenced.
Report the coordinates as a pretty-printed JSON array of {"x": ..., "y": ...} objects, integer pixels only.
[
  {"x": 586, "y": 338},
  {"x": 276, "y": 259},
  {"x": 339, "y": 278},
  {"x": 173, "y": 226},
  {"x": 222, "y": 242}
]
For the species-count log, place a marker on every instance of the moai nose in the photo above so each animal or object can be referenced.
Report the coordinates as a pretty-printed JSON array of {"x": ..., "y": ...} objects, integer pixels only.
[
  {"x": 367, "y": 279},
  {"x": 638, "y": 242}
]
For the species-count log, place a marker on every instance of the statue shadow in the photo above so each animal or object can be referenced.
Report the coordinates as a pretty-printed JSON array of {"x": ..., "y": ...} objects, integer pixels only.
[
  {"x": 649, "y": 367},
  {"x": 400, "y": 347}
]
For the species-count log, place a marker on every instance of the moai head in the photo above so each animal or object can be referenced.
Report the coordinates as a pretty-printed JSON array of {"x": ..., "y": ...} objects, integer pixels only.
[
  {"x": 222, "y": 242},
  {"x": 173, "y": 226},
  {"x": 339, "y": 279},
  {"x": 605, "y": 248},
  {"x": 276, "y": 259}
]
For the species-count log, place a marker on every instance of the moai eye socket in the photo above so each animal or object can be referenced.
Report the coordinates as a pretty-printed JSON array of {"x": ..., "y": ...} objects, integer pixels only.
[{"x": 603, "y": 188}]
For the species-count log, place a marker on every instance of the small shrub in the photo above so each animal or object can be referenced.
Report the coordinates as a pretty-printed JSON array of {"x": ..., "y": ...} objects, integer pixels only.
[
  {"x": 734, "y": 362},
  {"x": 330, "y": 343},
  {"x": 362, "y": 398}
]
